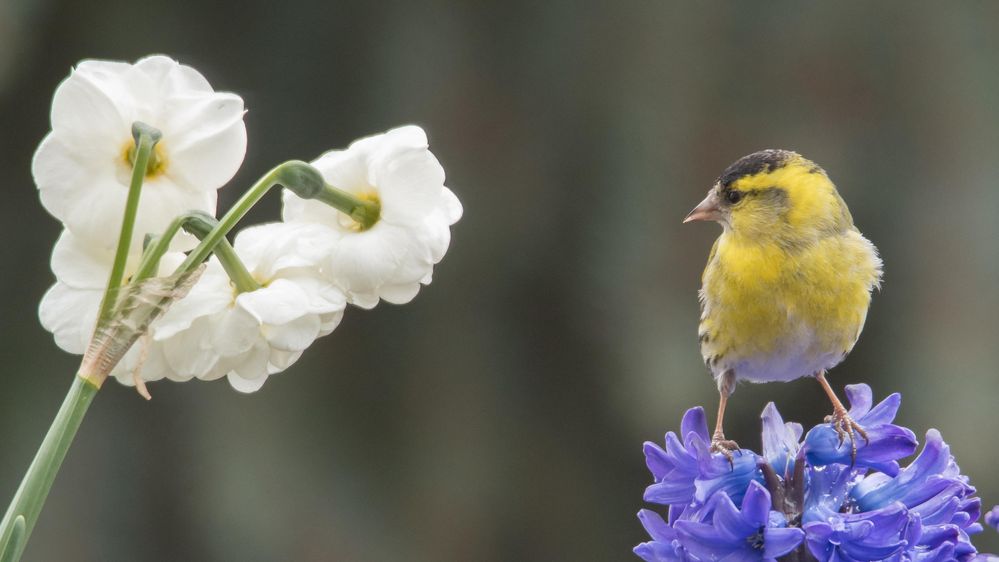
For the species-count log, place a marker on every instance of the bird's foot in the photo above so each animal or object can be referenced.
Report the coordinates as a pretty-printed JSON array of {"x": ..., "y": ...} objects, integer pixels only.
[
  {"x": 846, "y": 428},
  {"x": 724, "y": 446}
]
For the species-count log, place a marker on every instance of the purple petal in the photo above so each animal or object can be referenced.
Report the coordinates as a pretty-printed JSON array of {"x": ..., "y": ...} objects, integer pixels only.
[
  {"x": 656, "y": 526},
  {"x": 702, "y": 540},
  {"x": 778, "y": 542},
  {"x": 992, "y": 518},
  {"x": 717, "y": 475},
  {"x": 860, "y": 397},
  {"x": 877, "y": 492},
  {"x": 728, "y": 522},
  {"x": 657, "y": 460},
  {"x": 695, "y": 422},
  {"x": 780, "y": 440},
  {"x": 756, "y": 505},
  {"x": 884, "y": 412},
  {"x": 657, "y": 552},
  {"x": 670, "y": 492},
  {"x": 886, "y": 443}
]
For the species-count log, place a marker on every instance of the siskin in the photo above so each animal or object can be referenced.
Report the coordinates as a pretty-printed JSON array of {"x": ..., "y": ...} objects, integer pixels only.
[{"x": 788, "y": 283}]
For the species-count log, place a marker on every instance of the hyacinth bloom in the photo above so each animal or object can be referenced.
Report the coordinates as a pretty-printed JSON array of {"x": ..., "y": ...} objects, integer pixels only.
[
  {"x": 82, "y": 168},
  {"x": 390, "y": 259},
  {"x": 803, "y": 500}
]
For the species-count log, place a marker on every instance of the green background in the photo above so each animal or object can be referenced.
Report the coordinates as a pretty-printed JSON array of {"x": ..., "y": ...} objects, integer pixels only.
[{"x": 500, "y": 416}]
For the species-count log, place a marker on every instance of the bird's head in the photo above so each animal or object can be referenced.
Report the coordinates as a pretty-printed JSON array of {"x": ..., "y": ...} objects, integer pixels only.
[{"x": 774, "y": 195}]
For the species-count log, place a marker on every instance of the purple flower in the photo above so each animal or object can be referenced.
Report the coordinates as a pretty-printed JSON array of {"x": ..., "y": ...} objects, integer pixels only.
[
  {"x": 855, "y": 537},
  {"x": 687, "y": 472},
  {"x": 752, "y": 533},
  {"x": 664, "y": 546},
  {"x": 933, "y": 489},
  {"x": 675, "y": 468},
  {"x": 885, "y": 443},
  {"x": 810, "y": 500}
]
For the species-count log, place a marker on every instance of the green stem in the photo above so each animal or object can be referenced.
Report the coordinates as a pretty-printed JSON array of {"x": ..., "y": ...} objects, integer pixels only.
[
  {"x": 295, "y": 175},
  {"x": 159, "y": 245},
  {"x": 365, "y": 213},
  {"x": 199, "y": 224},
  {"x": 146, "y": 138},
  {"x": 234, "y": 268},
  {"x": 30, "y": 496}
]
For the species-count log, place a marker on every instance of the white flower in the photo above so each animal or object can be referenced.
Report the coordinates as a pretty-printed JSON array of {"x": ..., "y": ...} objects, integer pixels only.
[
  {"x": 392, "y": 258},
  {"x": 216, "y": 331},
  {"x": 82, "y": 167},
  {"x": 69, "y": 308}
]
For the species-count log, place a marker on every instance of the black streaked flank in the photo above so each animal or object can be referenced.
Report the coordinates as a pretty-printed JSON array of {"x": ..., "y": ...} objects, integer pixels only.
[{"x": 764, "y": 160}]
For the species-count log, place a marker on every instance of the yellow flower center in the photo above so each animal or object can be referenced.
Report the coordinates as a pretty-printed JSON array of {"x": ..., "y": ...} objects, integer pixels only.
[
  {"x": 157, "y": 159},
  {"x": 351, "y": 223}
]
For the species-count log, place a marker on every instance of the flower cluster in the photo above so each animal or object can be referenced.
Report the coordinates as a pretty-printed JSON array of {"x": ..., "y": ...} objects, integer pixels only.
[
  {"x": 256, "y": 308},
  {"x": 807, "y": 499}
]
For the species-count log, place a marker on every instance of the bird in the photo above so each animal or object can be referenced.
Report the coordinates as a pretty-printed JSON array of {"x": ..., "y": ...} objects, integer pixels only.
[{"x": 788, "y": 283}]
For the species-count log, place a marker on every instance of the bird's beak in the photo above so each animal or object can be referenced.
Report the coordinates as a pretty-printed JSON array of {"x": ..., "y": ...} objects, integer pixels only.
[{"x": 706, "y": 210}]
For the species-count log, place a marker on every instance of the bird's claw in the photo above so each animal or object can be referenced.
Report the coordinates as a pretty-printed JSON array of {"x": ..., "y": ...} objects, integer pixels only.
[
  {"x": 724, "y": 446},
  {"x": 846, "y": 428}
]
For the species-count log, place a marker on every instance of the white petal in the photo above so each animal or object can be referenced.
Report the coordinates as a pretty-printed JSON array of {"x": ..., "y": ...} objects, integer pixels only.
[
  {"x": 65, "y": 173},
  {"x": 384, "y": 255},
  {"x": 344, "y": 169},
  {"x": 250, "y": 374},
  {"x": 452, "y": 207},
  {"x": 70, "y": 314},
  {"x": 211, "y": 295},
  {"x": 329, "y": 322},
  {"x": 278, "y": 303},
  {"x": 91, "y": 106},
  {"x": 296, "y": 335},
  {"x": 399, "y": 294},
  {"x": 280, "y": 360},
  {"x": 246, "y": 385},
  {"x": 268, "y": 249},
  {"x": 146, "y": 356},
  {"x": 79, "y": 264},
  {"x": 410, "y": 183},
  {"x": 209, "y": 142},
  {"x": 323, "y": 296},
  {"x": 234, "y": 333},
  {"x": 184, "y": 353},
  {"x": 171, "y": 76}
]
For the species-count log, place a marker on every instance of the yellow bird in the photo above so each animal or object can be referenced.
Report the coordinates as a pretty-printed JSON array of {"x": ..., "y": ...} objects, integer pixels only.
[{"x": 788, "y": 283}]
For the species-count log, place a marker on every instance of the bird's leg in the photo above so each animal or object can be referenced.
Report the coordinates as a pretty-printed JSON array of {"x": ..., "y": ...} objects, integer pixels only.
[
  {"x": 726, "y": 384},
  {"x": 840, "y": 419}
]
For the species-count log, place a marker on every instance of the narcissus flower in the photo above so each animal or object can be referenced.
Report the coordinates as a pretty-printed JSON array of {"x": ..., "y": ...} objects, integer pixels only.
[
  {"x": 82, "y": 168},
  {"x": 217, "y": 330},
  {"x": 390, "y": 258}
]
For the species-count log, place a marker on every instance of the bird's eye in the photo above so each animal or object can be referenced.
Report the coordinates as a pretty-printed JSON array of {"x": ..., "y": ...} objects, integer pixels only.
[{"x": 733, "y": 196}]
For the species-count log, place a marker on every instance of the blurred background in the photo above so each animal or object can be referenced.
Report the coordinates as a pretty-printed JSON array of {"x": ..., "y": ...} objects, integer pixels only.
[{"x": 501, "y": 415}]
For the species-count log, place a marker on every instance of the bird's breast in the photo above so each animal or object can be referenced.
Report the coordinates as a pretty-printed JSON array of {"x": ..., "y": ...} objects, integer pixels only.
[{"x": 774, "y": 313}]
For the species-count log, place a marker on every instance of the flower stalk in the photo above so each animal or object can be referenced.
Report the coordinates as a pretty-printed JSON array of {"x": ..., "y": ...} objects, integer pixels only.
[
  {"x": 24, "y": 509},
  {"x": 146, "y": 138},
  {"x": 364, "y": 212},
  {"x": 200, "y": 224}
]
